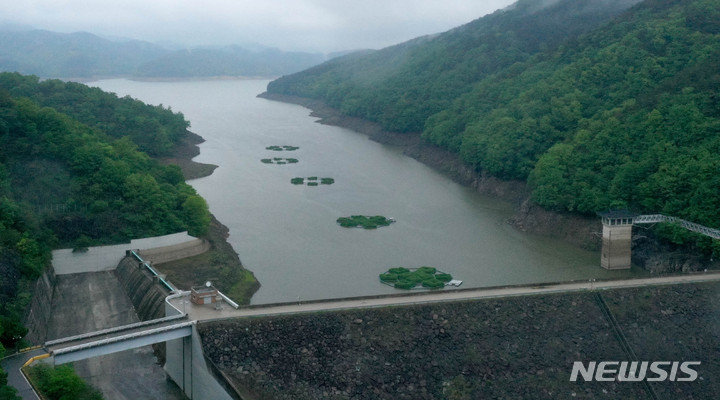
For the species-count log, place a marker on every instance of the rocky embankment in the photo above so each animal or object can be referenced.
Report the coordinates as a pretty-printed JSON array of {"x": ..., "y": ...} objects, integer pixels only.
[
  {"x": 183, "y": 156},
  {"x": 511, "y": 348},
  {"x": 586, "y": 232}
]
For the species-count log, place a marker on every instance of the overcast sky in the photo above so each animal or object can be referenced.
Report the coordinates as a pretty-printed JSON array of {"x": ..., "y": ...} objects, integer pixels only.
[{"x": 305, "y": 25}]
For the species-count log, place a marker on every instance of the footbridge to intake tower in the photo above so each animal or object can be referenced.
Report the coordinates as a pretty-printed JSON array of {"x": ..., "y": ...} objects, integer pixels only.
[{"x": 617, "y": 234}]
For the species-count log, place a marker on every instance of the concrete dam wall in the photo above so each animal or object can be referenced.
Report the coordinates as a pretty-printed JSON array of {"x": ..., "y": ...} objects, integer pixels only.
[
  {"x": 147, "y": 296},
  {"x": 146, "y": 299},
  {"x": 513, "y": 347},
  {"x": 89, "y": 293},
  {"x": 73, "y": 304}
]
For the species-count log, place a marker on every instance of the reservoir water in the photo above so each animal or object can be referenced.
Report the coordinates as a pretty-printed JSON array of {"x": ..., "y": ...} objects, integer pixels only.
[{"x": 287, "y": 234}]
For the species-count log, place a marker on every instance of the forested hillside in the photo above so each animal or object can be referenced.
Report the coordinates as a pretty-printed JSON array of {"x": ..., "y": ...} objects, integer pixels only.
[
  {"x": 597, "y": 104},
  {"x": 117, "y": 117},
  {"x": 401, "y": 86},
  {"x": 70, "y": 175}
]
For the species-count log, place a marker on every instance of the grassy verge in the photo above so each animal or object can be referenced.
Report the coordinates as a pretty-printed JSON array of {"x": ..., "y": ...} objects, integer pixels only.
[{"x": 59, "y": 383}]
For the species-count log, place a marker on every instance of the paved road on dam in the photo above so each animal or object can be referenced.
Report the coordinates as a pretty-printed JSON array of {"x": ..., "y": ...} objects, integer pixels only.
[{"x": 208, "y": 312}]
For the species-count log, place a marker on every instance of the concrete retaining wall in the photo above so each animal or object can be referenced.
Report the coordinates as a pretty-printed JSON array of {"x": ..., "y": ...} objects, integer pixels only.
[
  {"x": 187, "y": 365},
  {"x": 38, "y": 315},
  {"x": 174, "y": 252},
  {"x": 106, "y": 258}
]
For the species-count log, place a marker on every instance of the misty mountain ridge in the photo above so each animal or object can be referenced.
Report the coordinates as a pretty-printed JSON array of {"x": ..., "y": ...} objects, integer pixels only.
[
  {"x": 85, "y": 55},
  {"x": 230, "y": 60},
  {"x": 422, "y": 76}
]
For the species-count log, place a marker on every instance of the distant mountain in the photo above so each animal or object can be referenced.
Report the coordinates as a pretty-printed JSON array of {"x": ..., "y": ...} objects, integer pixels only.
[
  {"x": 84, "y": 55},
  {"x": 227, "y": 61},
  {"x": 74, "y": 55}
]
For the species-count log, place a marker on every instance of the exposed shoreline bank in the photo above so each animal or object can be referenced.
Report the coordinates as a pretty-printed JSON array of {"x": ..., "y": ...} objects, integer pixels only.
[
  {"x": 183, "y": 156},
  {"x": 584, "y": 232},
  {"x": 221, "y": 263}
]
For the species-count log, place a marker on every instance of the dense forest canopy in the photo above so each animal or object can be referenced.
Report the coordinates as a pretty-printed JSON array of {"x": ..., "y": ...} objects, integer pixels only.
[
  {"x": 72, "y": 173},
  {"x": 77, "y": 160},
  {"x": 117, "y": 117},
  {"x": 597, "y": 104}
]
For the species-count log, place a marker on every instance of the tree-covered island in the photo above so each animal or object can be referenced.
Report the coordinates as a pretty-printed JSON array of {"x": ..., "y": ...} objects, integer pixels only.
[
  {"x": 363, "y": 221},
  {"x": 416, "y": 278},
  {"x": 312, "y": 181}
]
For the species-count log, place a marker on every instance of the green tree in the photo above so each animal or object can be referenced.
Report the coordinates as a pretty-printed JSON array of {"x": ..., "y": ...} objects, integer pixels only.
[
  {"x": 197, "y": 216},
  {"x": 35, "y": 257},
  {"x": 62, "y": 383}
]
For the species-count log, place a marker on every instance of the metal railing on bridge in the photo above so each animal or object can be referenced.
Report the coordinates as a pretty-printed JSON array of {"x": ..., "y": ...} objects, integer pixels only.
[
  {"x": 691, "y": 226},
  {"x": 113, "y": 330},
  {"x": 104, "y": 342}
]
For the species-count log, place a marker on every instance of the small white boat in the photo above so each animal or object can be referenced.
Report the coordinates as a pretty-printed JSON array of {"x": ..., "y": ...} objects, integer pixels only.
[{"x": 454, "y": 282}]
